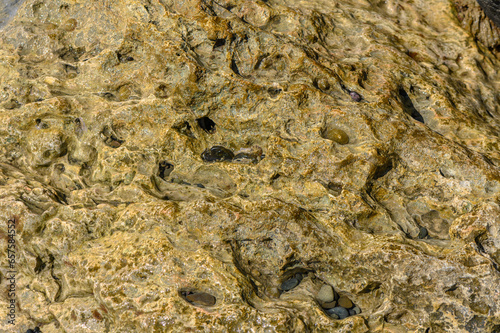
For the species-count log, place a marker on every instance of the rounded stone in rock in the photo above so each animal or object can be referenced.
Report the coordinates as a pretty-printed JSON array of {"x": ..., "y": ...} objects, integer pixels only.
[
  {"x": 339, "y": 311},
  {"x": 198, "y": 299},
  {"x": 325, "y": 294},
  {"x": 329, "y": 305},
  {"x": 355, "y": 96},
  {"x": 354, "y": 311},
  {"x": 337, "y": 135},
  {"x": 333, "y": 315},
  {"x": 423, "y": 233},
  {"x": 290, "y": 284},
  {"x": 217, "y": 154},
  {"x": 69, "y": 25},
  {"x": 345, "y": 302}
]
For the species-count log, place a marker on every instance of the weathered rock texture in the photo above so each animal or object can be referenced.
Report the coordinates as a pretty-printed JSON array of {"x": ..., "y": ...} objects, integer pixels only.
[
  {"x": 358, "y": 148},
  {"x": 474, "y": 19}
]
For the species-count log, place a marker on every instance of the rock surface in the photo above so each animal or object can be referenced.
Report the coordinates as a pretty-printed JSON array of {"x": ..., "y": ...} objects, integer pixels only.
[
  {"x": 482, "y": 19},
  {"x": 117, "y": 212}
]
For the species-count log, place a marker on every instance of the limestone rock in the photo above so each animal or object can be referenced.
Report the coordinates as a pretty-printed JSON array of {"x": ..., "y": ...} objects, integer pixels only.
[{"x": 109, "y": 115}]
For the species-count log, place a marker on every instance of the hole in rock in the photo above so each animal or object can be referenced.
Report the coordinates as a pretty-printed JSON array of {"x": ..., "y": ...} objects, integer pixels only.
[
  {"x": 161, "y": 91},
  {"x": 452, "y": 288},
  {"x": 71, "y": 54},
  {"x": 40, "y": 124},
  {"x": 409, "y": 107},
  {"x": 109, "y": 96},
  {"x": 185, "y": 128},
  {"x": 370, "y": 286},
  {"x": 39, "y": 265},
  {"x": 273, "y": 92},
  {"x": 382, "y": 170},
  {"x": 71, "y": 69},
  {"x": 206, "y": 124},
  {"x": 164, "y": 169},
  {"x": 275, "y": 176},
  {"x": 234, "y": 67},
  {"x": 84, "y": 170},
  {"x": 334, "y": 188},
  {"x": 219, "y": 42},
  {"x": 124, "y": 57}
]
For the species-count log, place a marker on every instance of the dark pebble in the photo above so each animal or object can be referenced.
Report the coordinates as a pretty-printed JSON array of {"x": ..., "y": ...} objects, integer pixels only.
[
  {"x": 345, "y": 302},
  {"x": 198, "y": 299},
  {"x": 423, "y": 233},
  {"x": 200, "y": 185},
  {"x": 291, "y": 283},
  {"x": 355, "y": 96},
  {"x": 217, "y": 154},
  {"x": 329, "y": 305},
  {"x": 354, "y": 311},
  {"x": 339, "y": 312}
]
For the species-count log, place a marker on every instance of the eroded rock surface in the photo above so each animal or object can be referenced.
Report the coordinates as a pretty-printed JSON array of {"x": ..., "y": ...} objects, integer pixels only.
[{"x": 356, "y": 187}]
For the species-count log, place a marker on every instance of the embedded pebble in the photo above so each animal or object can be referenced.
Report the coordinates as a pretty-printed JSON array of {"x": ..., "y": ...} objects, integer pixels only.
[
  {"x": 423, "y": 233},
  {"x": 323, "y": 84},
  {"x": 329, "y": 305},
  {"x": 198, "y": 299},
  {"x": 217, "y": 154},
  {"x": 354, "y": 311},
  {"x": 336, "y": 135},
  {"x": 345, "y": 302},
  {"x": 291, "y": 283},
  {"x": 355, "y": 96},
  {"x": 69, "y": 25},
  {"x": 338, "y": 312},
  {"x": 325, "y": 294}
]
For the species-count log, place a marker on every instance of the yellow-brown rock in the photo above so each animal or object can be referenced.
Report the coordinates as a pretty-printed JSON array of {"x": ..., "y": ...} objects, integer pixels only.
[{"x": 124, "y": 224}]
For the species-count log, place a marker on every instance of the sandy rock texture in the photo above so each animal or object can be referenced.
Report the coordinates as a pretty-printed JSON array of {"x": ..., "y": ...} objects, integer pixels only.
[{"x": 249, "y": 166}]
